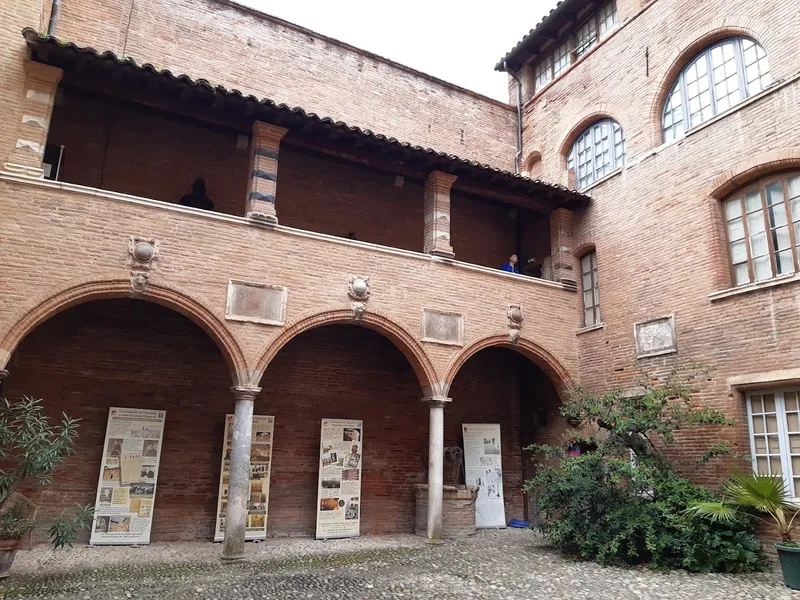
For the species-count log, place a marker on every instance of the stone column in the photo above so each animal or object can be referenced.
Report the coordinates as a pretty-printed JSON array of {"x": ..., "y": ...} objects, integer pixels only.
[
  {"x": 41, "y": 83},
  {"x": 435, "y": 467},
  {"x": 562, "y": 259},
  {"x": 264, "y": 148},
  {"x": 437, "y": 214},
  {"x": 239, "y": 474}
]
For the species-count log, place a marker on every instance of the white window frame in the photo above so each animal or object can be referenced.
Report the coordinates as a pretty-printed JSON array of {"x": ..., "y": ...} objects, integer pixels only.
[
  {"x": 787, "y": 473},
  {"x": 590, "y": 145}
]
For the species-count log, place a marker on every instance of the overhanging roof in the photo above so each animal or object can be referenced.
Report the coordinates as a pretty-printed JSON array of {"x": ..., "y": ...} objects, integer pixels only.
[
  {"x": 50, "y": 50},
  {"x": 564, "y": 12}
]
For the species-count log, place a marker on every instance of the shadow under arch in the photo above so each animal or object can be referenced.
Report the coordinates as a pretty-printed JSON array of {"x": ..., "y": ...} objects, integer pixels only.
[
  {"x": 378, "y": 322},
  {"x": 55, "y": 301},
  {"x": 549, "y": 364}
]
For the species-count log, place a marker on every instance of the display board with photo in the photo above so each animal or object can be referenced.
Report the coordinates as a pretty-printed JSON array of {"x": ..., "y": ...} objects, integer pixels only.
[
  {"x": 260, "y": 460},
  {"x": 339, "y": 486},
  {"x": 484, "y": 469},
  {"x": 126, "y": 489}
]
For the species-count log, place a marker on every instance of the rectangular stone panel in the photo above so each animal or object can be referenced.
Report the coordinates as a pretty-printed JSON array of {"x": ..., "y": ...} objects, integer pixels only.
[
  {"x": 442, "y": 327},
  {"x": 655, "y": 337},
  {"x": 256, "y": 302}
]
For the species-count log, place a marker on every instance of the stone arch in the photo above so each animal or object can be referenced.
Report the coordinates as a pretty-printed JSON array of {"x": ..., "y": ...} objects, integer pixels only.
[
  {"x": 690, "y": 45},
  {"x": 51, "y": 302},
  {"x": 375, "y": 320},
  {"x": 545, "y": 360},
  {"x": 595, "y": 113},
  {"x": 752, "y": 168}
]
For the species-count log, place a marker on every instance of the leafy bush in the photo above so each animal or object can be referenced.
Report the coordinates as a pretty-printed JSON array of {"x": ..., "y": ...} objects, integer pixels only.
[
  {"x": 31, "y": 448},
  {"x": 600, "y": 506}
]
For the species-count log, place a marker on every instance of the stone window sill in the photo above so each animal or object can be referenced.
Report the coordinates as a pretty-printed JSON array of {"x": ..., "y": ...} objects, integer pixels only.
[
  {"x": 594, "y": 327},
  {"x": 754, "y": 287}
]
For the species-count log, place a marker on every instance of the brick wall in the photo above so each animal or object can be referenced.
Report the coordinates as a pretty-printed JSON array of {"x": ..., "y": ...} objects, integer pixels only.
[
  {"x": 660, "y": 244},
  {"x": 239, "y": 48},
  {"x": 132, "y": 353}
]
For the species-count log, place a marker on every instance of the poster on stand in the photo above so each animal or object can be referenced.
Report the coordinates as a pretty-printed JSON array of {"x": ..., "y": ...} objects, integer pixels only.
[
  {"x": 126, "y": 491},
  {"x": 483, "y": 468},
  {"x": 339, "y": 486},
  {"x": 260, "y": 461}
]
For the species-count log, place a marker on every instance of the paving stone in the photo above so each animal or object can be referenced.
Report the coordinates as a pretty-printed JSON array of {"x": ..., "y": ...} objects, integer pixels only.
[{"x": 510, "y": 564}]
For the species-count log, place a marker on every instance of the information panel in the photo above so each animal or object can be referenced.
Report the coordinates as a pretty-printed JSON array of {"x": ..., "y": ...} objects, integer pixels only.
[
  {"x": 483, "y": 468},
  {"x": 260, "y": 461},
  {"x": 339, "y": 488},
  {"x": 126, "y": 491}
]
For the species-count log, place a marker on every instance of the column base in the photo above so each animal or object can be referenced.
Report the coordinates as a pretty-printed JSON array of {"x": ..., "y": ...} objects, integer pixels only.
[
  {"x": 442, "y": 253},
  {"x": 24, "y": 170},
  {"x": 232, "y": 559},
  {"x": 262, "y": 218}
]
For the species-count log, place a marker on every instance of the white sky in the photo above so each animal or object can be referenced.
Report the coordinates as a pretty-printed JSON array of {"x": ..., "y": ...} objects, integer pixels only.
[{"x": 458, "y": 41}]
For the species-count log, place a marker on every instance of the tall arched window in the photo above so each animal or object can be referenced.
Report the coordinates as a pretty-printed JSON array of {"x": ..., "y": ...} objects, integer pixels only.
[
  {"x": 718, "y": 78},
  {"x": 597, "y": 151}
]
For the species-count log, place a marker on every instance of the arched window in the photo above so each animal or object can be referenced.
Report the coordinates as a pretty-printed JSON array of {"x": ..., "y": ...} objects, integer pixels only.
[
  {"x": 597, "y": 151},
  {"x": 718, "y": 78},
  {"x": 763, "y": 222},
  {"x": 591, "y": 295}
]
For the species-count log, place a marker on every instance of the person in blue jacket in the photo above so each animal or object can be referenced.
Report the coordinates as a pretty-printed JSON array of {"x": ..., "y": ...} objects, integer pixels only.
[{"x": 511, "y": 265}]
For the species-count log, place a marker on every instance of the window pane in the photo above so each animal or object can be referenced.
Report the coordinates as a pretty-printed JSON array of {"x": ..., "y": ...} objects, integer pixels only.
[
  {"x": 742, "y": 274},
  {"x": 752, "y": 201},
  {"x": 762, "y": 268},
  {"x": 738, "y": 252},
  {"x": 760, "y": 443},
  {"x": 794, "y": 445},
  {"x": 588, "y": 298},
  {"x": 736, "y": 229},
  {"x": 756, "y": 68},
  {"x": 773, "y": 445},
  {"x": 772, "y": 423},
  {"x": 599, "y": 150},
  {"x": 769, "y": 403},
  {"x": 561, "y": 59},
  {"x": 790, "y": 399},
  {"x": 775, "y": 465},
  {"x": 726, "y": 80},
  {"x": 607, "y": 16},
  {"x": 794, "y": 186},
  {"x": 733, "y": 209},
  {"x": 589, "y": 316},
  {"x": 585, "y": 38},
  {"x": 544, "y": 72},
  {"x": 784, "y": 262},
  {"x": 758, "y": 424},
  {"x": 793, "y": 424},
  {"x": 762, "y": 466}
]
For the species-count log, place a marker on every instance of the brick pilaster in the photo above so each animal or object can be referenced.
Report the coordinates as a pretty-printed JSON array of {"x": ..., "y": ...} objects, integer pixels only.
[
  {"x": 563, "y": 261},
  {"x": 437, "y": 214},
  {"x": 41, "y": 83},
  {"x": 264, "y": 148}
]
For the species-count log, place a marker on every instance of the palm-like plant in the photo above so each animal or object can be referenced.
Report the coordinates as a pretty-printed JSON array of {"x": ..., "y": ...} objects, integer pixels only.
[{"x": 762, "y": 494}]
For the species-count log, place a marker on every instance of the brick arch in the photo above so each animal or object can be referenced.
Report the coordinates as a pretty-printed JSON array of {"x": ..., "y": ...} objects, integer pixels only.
[
  {"x": 375, "y": 320},
  {"x": 595, "y": 113},
  {"x": 690, "y": 45},
  {"x": 752, "y": 168},
  {"x": 52, "y": 302},
  {"x": 532, "y": 163},
  {"x": 545, "y": 360}
]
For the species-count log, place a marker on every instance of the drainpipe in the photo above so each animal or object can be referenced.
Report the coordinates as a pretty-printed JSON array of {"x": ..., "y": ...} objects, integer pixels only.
[
  {"x": 515, "y": 77},
  {"x": 54, "y": 10}
]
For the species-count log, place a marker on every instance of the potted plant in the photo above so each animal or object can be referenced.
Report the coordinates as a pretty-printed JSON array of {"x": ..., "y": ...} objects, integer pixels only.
[
  {"x": 760, "y": 495},
  {"x": 31, "y": 449}
]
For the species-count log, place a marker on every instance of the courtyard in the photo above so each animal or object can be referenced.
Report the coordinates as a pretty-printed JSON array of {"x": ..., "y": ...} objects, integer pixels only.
[{"x": 509, "y": 564}]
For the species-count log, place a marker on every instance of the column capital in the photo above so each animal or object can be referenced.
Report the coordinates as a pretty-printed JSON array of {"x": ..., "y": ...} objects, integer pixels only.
[
  {"x": 441, "y": 180},
  {"x": 245, "y": 392},
  {"x": 268, "y": 133},
  {"x": 43, "y": 72},
  {"x": 437, "y": 401}
]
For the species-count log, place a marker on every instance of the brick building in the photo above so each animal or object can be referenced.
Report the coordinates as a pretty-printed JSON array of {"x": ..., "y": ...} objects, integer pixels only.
[{"x": 642, "y": 171}]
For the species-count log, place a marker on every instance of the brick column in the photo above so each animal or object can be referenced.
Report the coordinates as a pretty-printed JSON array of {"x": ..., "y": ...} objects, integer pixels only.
[
  {"x": 435, "y": 467},
  {"x": 437, "y": 214},
  {"x": 41, "y": 83},
  {"x": 239, "y": 474},
  {"x": 264, "y": 148},
  {"x": 563, "y": 262}
]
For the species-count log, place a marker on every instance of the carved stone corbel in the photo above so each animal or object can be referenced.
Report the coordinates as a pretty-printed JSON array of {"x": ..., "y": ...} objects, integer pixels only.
[{"x": 358, "y": 310}]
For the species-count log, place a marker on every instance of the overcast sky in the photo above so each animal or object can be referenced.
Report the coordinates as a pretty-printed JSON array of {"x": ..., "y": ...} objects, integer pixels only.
[{"x": 459, "y": 42}]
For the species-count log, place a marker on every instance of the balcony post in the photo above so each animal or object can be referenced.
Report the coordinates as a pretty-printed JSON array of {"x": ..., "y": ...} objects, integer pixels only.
[
  {"x": 562, "y": 259},
  {"x": 264, "y": 149},
  {"x": 239, "y": 474},
  {"x": 41, "y": 83},
  {"x": 437, "y": 214}
]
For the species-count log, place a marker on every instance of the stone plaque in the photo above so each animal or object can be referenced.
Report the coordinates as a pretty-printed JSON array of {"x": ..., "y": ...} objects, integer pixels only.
[
  {"x": 655, "y": 337},
  {"x": 256, "y": 302},
  {"x": 442, "y": 327}
]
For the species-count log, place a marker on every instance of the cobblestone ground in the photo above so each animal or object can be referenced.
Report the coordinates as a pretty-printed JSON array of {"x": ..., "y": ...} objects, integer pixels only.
[{"x": 511, "y": 564}]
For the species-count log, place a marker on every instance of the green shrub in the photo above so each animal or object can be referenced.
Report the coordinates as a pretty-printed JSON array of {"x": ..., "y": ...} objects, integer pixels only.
[{"x": 599, "y": 506}]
